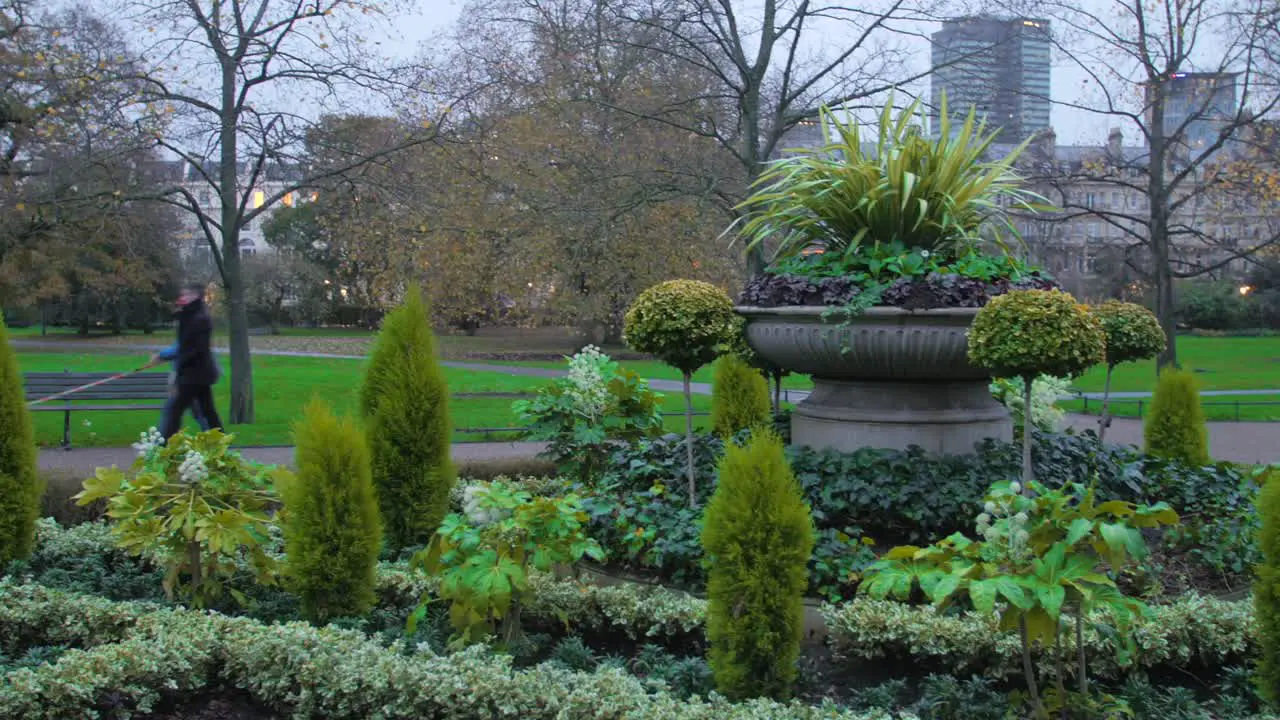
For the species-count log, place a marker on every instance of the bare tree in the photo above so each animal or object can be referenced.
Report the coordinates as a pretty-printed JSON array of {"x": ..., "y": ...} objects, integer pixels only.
[
  {"x": 1191, "y": 79},
  {"x": 749, "y": 72},
  {"x": 240, "y": 82}
]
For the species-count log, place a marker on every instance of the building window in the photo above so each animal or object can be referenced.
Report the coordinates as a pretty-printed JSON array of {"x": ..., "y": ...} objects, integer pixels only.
[
  {"x": 1115, "y": 199},
  {"x": 1089, "y": 200},
  {"x": 259, "y": 199}
]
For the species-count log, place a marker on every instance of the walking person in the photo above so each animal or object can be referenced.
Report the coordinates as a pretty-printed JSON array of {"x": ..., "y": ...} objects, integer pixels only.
[{"x": 194, "y": 369}]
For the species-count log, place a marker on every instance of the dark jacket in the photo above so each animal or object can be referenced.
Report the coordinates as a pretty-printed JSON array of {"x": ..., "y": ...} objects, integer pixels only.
[{"x": 193, "y": 362}]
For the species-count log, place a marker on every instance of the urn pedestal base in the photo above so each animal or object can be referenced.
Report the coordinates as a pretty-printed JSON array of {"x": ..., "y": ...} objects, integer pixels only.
[{"x": 943, "y": 416}]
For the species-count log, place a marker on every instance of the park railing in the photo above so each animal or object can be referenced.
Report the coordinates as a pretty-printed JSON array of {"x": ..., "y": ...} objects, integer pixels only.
[{"x": 1215, "y": 409}]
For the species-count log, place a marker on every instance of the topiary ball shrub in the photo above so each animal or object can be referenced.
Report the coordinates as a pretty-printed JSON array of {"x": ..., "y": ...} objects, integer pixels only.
[
  {"x": 20, "y": 482},
  {"x": 1027, "y": 333},
  {"x": 1132, "y": 332},
  {"x": 758, "y": 536},
  {"x": 739, "y": 397},
  {"x": 682, "y": 322},
  {"x": 1175, "y": 426},
  {"x": 685, "y": 323},
  {"x": 1036, "y": 332}
]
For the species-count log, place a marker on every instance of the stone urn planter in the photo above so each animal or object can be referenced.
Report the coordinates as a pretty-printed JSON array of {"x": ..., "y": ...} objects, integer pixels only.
[{"x": 887, "y": 378}]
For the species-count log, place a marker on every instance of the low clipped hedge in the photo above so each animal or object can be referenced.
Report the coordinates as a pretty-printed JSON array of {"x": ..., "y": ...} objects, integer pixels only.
[
  {"x": 134, "y": 655},
  {"x": 1191, "y": 631}
]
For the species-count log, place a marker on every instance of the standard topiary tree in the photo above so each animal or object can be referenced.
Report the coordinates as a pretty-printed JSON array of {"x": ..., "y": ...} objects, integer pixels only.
[
  {"x": 1266, "y": 592},
  {"x": 20, "y": 485},
  {"x": 1027, "y": 333},
  {"x": 739, "y": 397},
  {"x": 1175, "y": 425},
  {"x": 332, "y": 532},
  {"x": 1133, "y": 333},
  {"x": 405, "y": 401},
  {"x": 684, "y": 323},
  {"x": 758, "y": 536}
]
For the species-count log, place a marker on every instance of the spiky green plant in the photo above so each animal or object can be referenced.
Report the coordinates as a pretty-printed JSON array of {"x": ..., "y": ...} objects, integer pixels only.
[
  {"x": 406, "y": 406},
  {"x": 739, "y": 397},
  {"x": 332, "y": 532},
  {"x": 1175, "y": 427},
  {"x": 20, "y": 485},
  {"x": 758, "y": 536},
  {"x": 927, "y": 194},
  {"x": 1266, "y": 592}
]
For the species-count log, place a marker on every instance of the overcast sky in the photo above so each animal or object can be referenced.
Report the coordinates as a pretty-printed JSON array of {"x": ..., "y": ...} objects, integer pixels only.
[{"x": 434, "y": 19}]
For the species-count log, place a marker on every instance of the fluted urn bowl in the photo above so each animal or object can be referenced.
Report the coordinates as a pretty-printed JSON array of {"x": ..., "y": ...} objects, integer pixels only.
[{"x": 887, "y": 377}]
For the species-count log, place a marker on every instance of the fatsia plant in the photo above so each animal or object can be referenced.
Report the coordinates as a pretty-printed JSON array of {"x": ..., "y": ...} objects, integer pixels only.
[
  {"x": 581, "y": 416},
  {"x": 196, "y": 508},
  {"x": 935, "y": 195},
  {"x": 1041, "y": 564},
  {"x": 485, "y": 554}
]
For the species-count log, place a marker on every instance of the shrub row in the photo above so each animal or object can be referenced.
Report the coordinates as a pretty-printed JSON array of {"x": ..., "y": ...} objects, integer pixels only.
[
  {"x": 908, "y": 496},
  {"x": 138, "y": 655},
  {"x": 1192, "y": 630}
]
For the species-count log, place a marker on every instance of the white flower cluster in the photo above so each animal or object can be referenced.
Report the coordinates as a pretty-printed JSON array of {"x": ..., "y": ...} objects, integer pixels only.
[
  {"x": 1045, "y": 392},
  {"x": 476, "y": 507},
  {"x": 148, "y": 442},
  {"x": 1000, "y": 526},
  {"x": 589, "y": 373},
  {"x": 193, "y": 469}
]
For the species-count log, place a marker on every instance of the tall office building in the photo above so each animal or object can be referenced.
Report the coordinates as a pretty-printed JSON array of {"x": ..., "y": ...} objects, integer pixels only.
[
  {"x": 1000, "y": 66},
  {"x": 1198, "y": 105}
]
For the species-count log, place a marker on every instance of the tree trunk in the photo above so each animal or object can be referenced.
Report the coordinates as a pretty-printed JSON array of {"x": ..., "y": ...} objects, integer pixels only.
[
  {"x": 1028, "y": 433},
  {"x": 237, "y": 309},
  {"x": 688, "y": 436},
  {"x": 1158, "y": 202},
  {"x": 194, "y": 560},
  {"x": 1104, "y": 420}
]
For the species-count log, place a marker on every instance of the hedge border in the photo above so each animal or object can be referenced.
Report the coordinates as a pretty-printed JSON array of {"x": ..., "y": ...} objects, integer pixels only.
[{"x": 310, "y": 672}]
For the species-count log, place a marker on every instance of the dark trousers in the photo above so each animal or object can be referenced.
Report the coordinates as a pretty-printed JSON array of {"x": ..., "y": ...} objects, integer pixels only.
[{"x": 198, "y": 399}]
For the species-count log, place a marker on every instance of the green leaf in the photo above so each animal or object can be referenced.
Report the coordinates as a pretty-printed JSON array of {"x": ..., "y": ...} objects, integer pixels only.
[
  {"x": 1040, "y": 626},
  {"x": 902, "y": 552},
  {"x": 1079, "y": 529},
  {"x": 945, "y": 587},
  {"x": 1011, "y": 590},
  {"x": 1051, "y": 597},
  {"x": 983, "y": 595}
]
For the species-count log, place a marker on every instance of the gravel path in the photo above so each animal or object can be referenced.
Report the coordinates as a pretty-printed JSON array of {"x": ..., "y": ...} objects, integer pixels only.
[
  {"x": 85, "y": 460},
  {"x": 1242, "y": 442}
]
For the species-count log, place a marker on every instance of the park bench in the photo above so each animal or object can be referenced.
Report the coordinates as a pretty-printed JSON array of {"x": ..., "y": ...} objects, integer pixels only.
[{"x": 108, "y": 396}]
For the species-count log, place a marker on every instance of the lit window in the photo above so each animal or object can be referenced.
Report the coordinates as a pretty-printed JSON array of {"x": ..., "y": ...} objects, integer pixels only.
[
  {"x": 287, "y": 200},
  {"x": 259, "y": 198}
]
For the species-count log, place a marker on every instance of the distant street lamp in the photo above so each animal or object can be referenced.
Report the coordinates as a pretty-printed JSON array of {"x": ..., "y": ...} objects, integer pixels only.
[{"x": 1245, "y": 290}]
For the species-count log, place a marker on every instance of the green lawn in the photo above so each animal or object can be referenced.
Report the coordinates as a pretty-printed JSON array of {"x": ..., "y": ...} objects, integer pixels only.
[
  {"x": 283, "y": 385},
  {"x": 1242, "y": 363},
  {"x": 1221, "y": 364}
]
